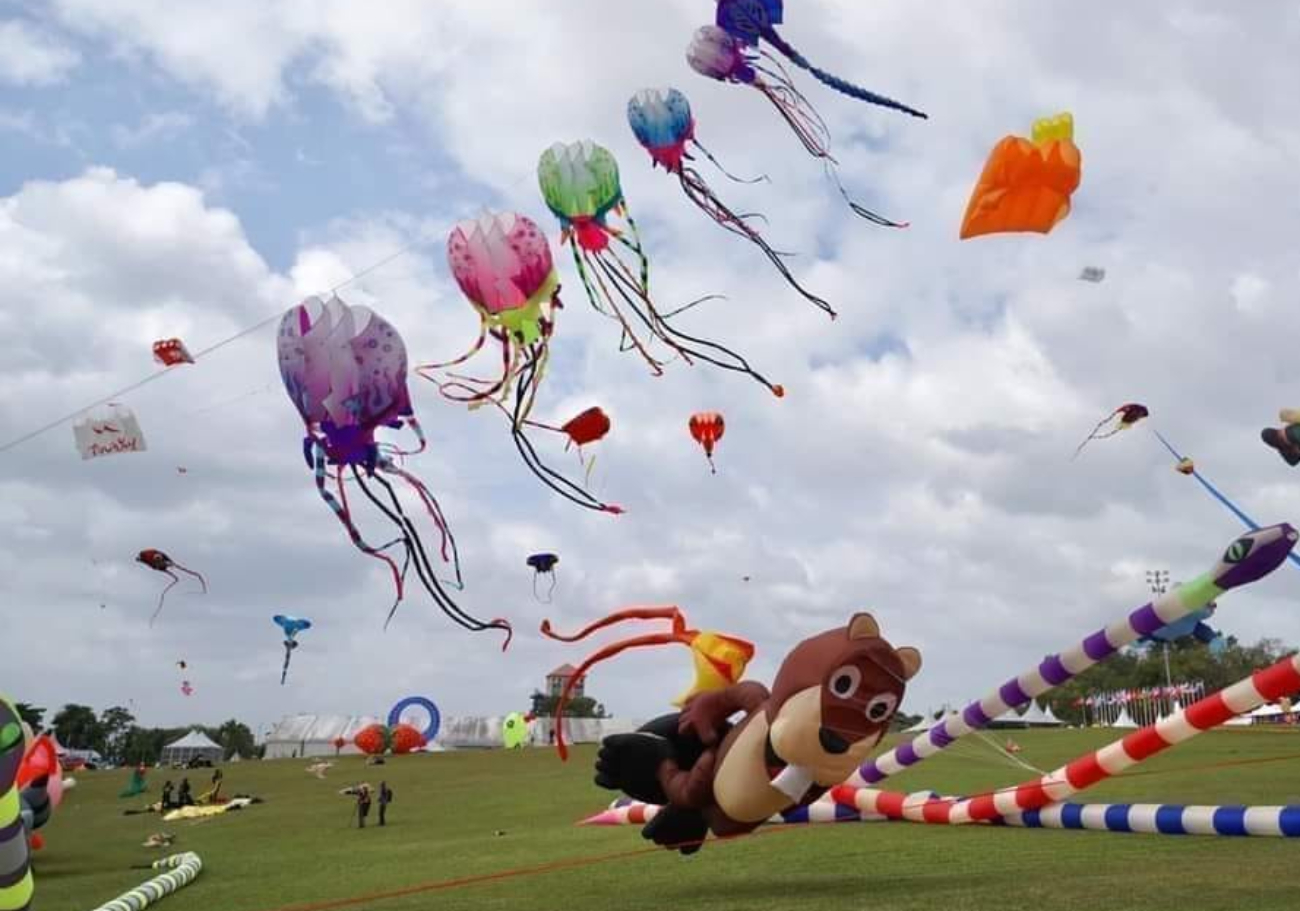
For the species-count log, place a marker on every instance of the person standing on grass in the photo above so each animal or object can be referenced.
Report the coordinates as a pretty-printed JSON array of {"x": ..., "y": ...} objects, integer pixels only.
[
  {"x": 385, "y": 798},
  {"x": 363, "y": 805}
]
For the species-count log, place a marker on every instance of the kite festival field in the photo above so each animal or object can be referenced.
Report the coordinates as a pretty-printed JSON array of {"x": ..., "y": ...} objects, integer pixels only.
[{"x": 495, "y": 830}]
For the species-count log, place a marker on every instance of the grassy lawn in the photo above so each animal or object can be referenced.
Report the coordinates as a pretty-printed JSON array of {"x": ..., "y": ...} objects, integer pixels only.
[{"x": 301, "y": 846}]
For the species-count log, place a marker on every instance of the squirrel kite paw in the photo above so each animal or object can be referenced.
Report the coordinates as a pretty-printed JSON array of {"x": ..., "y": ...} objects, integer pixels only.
[
  {"x": 677, "y": 828},
  {"x": 630, "y": 763}
]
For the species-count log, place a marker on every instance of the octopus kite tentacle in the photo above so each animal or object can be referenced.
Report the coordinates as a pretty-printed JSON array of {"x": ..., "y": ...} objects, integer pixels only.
[
  {"x": 175, "y": 579},
  {"x": 551, "y": 478},
  {"x": 762, "y": 178},
  {"x": 840, "y": 85},
  {"x": 703, "y": 196},
  {"x": 689, "y": 346},
  {"x": 422, "y": 566},
  {"x": 340, "y": 509}
]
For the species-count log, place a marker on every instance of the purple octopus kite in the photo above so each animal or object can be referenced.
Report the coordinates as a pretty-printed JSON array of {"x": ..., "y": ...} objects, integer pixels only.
[{"x": 345, "y": 371}]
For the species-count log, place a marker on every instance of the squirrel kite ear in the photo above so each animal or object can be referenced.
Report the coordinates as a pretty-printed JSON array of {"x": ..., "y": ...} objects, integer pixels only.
[
  {"x": 863, "y": 626},
  {"x": 911, "y": 659}
]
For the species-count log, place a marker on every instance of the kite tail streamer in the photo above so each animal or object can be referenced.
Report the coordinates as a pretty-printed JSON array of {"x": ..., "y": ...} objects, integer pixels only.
[
  {"x": 796, "y": 110},
  {"x": 16, "y": 883},
  {"x": 1246, "y": 560},
  {"x": 835, "y": 82},
  {"x": 175, "y": 579},
  {"x": 449, "y": 552},
  {"x": 1244, "y": 696},
  {"x": 343, "y": 514},
  {"x": 762, "y": 178},
  {"x": 703, "y": 196},
  {"x": 858, "y": 209},
  {"x": 688, "y": 346},
  {"x": 181, "y": 870},
  {"x": 422, "y": 566},
  {"x": 551, "y": 478}
]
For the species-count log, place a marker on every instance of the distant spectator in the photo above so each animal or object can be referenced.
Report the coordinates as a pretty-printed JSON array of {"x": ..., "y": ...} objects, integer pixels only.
[{"x": 385, "y": 798}]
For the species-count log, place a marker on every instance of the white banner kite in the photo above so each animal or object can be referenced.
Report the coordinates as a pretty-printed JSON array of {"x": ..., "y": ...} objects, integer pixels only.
[{"x": 103, "y": 435}]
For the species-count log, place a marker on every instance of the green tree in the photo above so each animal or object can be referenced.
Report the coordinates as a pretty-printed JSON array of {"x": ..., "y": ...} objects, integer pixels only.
[
  {"x": 31, "y": 714},
  {"x": 76, "y": 727},
  {"x": 582, "y": 707},
  {"x": 235, "y": 737},
  {"x": 114, "y": 723}
]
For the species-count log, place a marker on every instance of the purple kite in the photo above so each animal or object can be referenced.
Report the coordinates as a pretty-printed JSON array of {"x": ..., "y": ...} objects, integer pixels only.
[{"x": 344, "y": 369}]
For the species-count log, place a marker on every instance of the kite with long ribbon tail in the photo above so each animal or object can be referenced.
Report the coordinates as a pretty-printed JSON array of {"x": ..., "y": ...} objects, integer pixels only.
[
  {"x": 160, "y": 562},
  {"x": 748, "y": 21},
  {"x": 580, "y": 183},
  {"x": 502, "y": 263},
  {"x": 719, "y": 55},
  {"x": 344, "y": 369},
  {"x": 1122, "y": 418},
  {"x": 291, "y": 627},
  {"x": 664, "y": 125},
  {"x": 719, "y": 659}
]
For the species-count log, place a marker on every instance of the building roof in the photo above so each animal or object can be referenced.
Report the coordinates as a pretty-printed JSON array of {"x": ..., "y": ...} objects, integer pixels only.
[{"x": 564, "y": 670}]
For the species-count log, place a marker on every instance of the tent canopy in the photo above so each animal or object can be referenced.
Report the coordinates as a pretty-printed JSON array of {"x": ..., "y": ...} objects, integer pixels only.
[{"x": 195, "y": 744}]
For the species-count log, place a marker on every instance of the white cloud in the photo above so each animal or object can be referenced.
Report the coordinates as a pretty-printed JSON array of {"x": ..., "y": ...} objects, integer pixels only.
[
  {"x": 931, "y": 484},
  {"x": 32, "y": 56}
]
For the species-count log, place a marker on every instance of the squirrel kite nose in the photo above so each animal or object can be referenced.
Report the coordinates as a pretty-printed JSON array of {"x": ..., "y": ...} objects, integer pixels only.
[{"x": 831, "y": 742}]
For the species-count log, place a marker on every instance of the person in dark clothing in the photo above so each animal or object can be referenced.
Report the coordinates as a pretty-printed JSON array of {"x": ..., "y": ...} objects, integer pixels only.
[
  {"x": 183, "y": 797},
  {"x": 363, "y": 806},
  {"x": 385, "y": 798},
  {"x": 167, "y": 795}
]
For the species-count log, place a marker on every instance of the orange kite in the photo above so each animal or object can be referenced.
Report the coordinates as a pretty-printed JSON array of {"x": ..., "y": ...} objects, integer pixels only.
[{"x": 1026, "y": 186}]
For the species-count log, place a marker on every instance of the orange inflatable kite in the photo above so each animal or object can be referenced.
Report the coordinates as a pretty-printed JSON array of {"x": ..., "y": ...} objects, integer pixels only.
[{"x": 1026, "y": 186}]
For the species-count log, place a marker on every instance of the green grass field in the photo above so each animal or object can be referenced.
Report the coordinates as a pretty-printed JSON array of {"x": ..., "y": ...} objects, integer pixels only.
[{"x": 301, "y": 847}]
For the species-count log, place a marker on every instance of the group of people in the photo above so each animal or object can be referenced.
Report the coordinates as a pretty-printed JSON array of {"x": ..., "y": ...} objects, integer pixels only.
[
  {"x": 184, "y": 796},
  {"x": 364, "y": 797}
]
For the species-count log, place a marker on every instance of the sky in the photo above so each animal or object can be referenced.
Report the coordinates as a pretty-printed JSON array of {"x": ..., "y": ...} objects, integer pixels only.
[{"x": 191, "y": 169}]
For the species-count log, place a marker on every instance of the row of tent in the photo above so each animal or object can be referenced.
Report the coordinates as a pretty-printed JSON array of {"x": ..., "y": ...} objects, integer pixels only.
[
  {"x": 1031, "y": 717},
  {"x": 1034, "y": 717}
]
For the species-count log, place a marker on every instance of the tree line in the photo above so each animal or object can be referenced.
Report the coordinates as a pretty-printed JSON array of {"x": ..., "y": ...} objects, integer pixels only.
[{"x": 114, "y": 734}]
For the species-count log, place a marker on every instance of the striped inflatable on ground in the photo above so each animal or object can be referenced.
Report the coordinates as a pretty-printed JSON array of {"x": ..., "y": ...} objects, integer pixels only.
[
  {"x": 635, "y": 813},
  {"x": 181, "y": 870},
  {"x": 1246, "y": 560},
  {"x": 1268, "y": 685},
  {"x": 16, "y": 884},
  {"x": 1163, "y": 819}
]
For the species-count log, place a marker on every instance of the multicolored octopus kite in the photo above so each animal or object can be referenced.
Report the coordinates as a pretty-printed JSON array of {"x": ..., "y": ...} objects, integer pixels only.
[
  {"x": 344, "y": 369},
  {"x": 502, "y": 263},
  {"x": 662, "y": 121},
  {"x": 729, "y": 52},
  {"x": 160, "y": 562},
  {"x": 580, "y": 183}
]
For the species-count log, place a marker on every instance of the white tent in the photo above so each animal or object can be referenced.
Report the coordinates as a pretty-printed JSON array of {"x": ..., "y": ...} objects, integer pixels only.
[
  {"x": 302, "y": 736},
  {"x": 1034, "y": 717},
  {"x": 1051, "y": 717},
  {"x": 1123, "y": 721},
  {"x": 195, "y": 744},
  {"x": 923, "y": 725}
]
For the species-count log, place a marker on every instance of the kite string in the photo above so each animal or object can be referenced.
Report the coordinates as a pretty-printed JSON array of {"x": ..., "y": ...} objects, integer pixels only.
[{"x": 31, "y": 435}]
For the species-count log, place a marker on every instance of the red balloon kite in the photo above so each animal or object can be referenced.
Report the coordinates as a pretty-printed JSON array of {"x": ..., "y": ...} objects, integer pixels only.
[{"x": 707, "y": 428}]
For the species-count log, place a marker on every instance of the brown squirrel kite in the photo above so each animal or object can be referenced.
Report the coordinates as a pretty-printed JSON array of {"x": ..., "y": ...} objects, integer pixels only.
[{"x": 830, "y": 704}]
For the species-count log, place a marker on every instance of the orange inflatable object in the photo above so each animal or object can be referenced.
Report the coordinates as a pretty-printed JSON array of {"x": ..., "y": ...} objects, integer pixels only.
[
  {"x": 1026, "y": 185},
  {"x": 707, "y": 428},
  {"x": 406, "y": 739}
]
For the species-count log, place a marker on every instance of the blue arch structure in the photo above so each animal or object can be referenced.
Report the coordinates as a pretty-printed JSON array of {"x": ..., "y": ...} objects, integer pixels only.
[{"x": 435, "y": 719}]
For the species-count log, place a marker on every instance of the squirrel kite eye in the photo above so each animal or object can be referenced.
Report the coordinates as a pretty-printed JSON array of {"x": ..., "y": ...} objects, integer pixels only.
[
  {"x": 845, "y": 681},
  {"x": 882, "y": 706}
]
